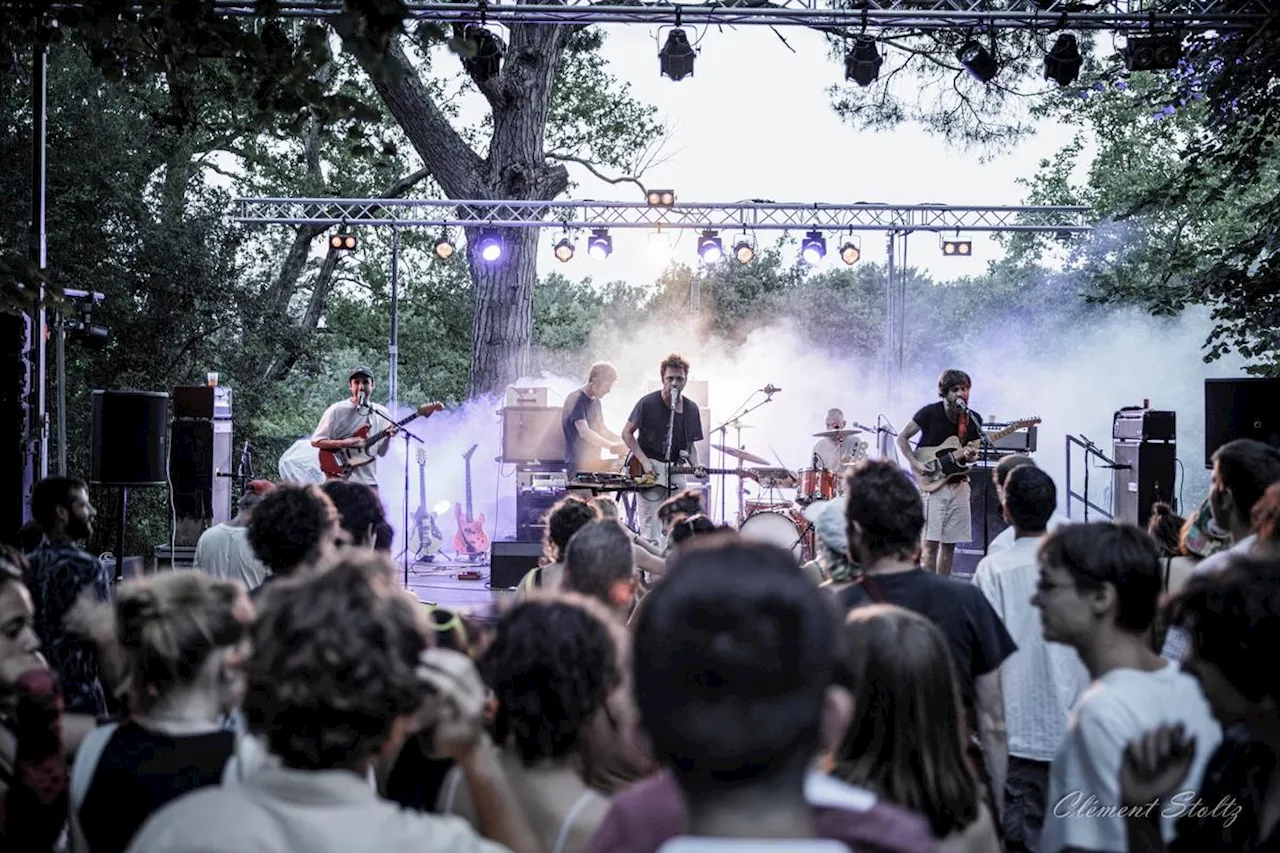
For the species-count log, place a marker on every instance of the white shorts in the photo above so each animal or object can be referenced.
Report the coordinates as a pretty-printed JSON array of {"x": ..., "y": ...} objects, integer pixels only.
[{"x": 946, "y": 514}]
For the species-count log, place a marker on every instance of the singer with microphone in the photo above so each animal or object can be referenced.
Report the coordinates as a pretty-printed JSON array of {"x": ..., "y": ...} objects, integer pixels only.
[
  {"x": 661, "y": 434},
  {"x": 946, "y": 510},
  {"x": 341, "y": 421}
]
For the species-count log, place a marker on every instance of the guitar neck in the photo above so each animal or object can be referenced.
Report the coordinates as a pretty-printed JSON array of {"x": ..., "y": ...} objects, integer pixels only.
[
  {"x": 469, "y": 515},
  {"x": 422, "y": 487},
  {"x": 381, "y": 434}
]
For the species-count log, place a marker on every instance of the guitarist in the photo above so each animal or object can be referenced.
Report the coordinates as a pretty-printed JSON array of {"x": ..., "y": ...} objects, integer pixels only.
[
  {"x": 946, "y": 511},
  {"x": 340, "y": 422},
  {"x": 646, "y": 435}
]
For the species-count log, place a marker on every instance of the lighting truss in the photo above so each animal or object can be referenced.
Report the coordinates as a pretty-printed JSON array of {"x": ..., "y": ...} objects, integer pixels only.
[
  {"x": 698, "y": 216},
  {"x": 1115, "y": 15}
]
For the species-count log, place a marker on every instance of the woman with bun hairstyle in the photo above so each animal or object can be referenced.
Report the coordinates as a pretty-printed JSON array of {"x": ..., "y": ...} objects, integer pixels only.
[{"x": 175, "y": 644}]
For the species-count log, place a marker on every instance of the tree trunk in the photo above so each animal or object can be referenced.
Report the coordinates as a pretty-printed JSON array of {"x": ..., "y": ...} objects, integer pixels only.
[{"x": 502, "y": 309}]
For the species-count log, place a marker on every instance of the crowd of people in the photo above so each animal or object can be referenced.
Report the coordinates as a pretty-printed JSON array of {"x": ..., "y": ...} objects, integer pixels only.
[{"x": 1093, "y": 687}]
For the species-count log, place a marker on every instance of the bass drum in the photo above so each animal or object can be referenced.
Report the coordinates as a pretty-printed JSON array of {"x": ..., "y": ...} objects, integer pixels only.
[{"x": 787, "y": 529}]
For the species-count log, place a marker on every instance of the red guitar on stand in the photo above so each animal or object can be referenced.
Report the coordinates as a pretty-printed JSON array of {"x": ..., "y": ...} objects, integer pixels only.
[
  {"x": 470, "y": 541},
  {"x": 338, "y": 464}
]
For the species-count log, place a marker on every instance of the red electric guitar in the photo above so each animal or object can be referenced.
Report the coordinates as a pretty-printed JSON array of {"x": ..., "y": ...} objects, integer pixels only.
[
  {"x": 470, "y": 541},
  {"x": 339, "y": 464}
]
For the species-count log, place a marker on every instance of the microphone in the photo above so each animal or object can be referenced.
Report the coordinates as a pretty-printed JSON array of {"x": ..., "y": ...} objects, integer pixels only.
[
  {"x": 960, "y": 404},
  {"x": 362, "y": 401},
  {"x": 770, "y": 389}
]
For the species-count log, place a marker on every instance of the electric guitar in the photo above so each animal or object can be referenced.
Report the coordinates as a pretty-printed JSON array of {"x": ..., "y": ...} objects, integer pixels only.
[
  {"x": 470, "y": 540},
  {"x": 425, "y": 538},
  {"x": 940, "y": 463},
  {"x": 633, "y": 469},
  {"x": 340, "y": 464}
]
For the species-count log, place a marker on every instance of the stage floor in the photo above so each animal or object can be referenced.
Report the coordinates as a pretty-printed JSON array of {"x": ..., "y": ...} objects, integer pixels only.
[{"x": 438, "y": 583}]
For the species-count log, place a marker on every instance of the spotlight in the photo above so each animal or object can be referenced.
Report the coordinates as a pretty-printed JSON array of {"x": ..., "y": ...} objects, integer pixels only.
[
  {"x": 862, "y": 65},
  {"x": 662, "y": 198},
  {"x": 677, "y": 55},
  {"x": 564, "y": 250},
  {"x": 1152, "y": 53},
  {"x": 600, "y": 245},
  {"x": 850, "y": 253},
  {"x": 343, "y": 241},
  {"x": 490, "y": 246},
  {"x": 744, "y": 252},
  {"x": 487, "y": 61},
  {"x": 710, "y": 249},
  {"x": 813, "y": 247},
  {"x": 957, "y": 248},
  {"x": 977, "y": 61},
  {"x": 1062, "y": 64},
  {"x": 444, "y": 248}
]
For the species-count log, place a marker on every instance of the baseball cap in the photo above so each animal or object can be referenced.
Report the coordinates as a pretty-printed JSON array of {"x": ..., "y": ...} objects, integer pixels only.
[
  {"x": 360, "y": 371},
  {"x": 258, "y": 487},
  {"x": 827, "y": 518}
]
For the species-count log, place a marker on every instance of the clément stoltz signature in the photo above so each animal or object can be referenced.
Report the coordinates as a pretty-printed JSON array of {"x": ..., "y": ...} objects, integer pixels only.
[{"x": 1179, "y": 805}]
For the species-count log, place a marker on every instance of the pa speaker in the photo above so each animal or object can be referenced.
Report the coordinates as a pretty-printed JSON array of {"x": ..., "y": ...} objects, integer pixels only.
[
  {"x": 1144, "y": 477},
  {"x": 986, "y": 522},
  {"x": 129, "y": 438},
  {"x": 199, "y": 465},
  {"x": 1240, "y": 408},
  {"x": 511, "y": 561}
]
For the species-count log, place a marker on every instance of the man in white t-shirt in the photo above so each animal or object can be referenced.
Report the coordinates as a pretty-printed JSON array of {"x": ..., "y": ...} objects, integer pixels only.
[
  {"x": 223, "y": 550},
  {"x": 1041, "y": 681},
  {"x": 337, "y": 431},
  {"x": 999, "y": 475},
  {"x": 1097, "y": 592}
]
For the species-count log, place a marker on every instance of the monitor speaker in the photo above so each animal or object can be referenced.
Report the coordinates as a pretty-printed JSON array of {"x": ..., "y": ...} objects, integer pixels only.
[
  {"x": 985, "y": 519},
  {"x": 129, "y": 438},
  {"x": 1240, "y": 408},
  {"x": 509, "y": 562},
  {"x": 1146, "y": 476}
]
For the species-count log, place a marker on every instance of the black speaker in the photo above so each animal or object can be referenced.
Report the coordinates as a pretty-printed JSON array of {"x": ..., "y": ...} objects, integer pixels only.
[
  {"x": 985, "y": 520},
  {"x": 1148, "y": 478},
  {"x": 200, "y": 451},
  {"x": 509, "y": 562},
  {"x": 1240, "y": 408},
  {"x": 129, "y": 438},
  {"x": 531, "y": 511}
]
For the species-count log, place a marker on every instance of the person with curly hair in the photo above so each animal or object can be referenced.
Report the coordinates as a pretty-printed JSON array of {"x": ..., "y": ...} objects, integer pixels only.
[
  {"x": 565, "y": 518},
  {"x": 360, "y": 513},
  {"x": 340, "y": 674},
  {"x": 552, "y": 665},
  {"x": 293, "y": 530}
]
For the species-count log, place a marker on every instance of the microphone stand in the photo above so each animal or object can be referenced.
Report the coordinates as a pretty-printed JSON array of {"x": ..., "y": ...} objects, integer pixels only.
[
  {"x": 1107, "y": 462},
  {"x": 671, "y": 437},
  {"x": 404, "y": 507},
  {"x": 723, "y": 429}
]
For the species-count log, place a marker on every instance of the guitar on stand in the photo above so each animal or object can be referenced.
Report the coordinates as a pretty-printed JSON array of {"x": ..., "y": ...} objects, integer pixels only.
[
  {"x": 470, "y": 540},
  {"x": 425, "y": 538},
  {"x": 339, "y": 464},
  {"x": 940, "y": 463}
]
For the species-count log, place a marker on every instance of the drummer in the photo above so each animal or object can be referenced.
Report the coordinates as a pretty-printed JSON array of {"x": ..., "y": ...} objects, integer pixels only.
[{"x": 833, "y": 453}]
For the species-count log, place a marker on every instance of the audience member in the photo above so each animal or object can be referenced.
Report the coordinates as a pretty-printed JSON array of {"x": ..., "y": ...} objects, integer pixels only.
[
  {"x": 1097, "y": 593},
  {"x": 360, "y": 512},
  {"x": 834, "y": 569},
  {"x": 293, "y": 530},
  {"x": 647, "y": 556},
  {"x": 598, "y": 564},
  {"x": 564, "y": 519},
  {"x": 907, "y": 741},
  {"x": 1041, "y": 681},
  {"x": 999, "y": 475},
  {"x": 61, "y": 572},
  {"x": 678, "y": 507},
  {"x": 223, "y": 551},
  {"x": 1266, "y": 522},
  {"x": 339, "y": 674}
]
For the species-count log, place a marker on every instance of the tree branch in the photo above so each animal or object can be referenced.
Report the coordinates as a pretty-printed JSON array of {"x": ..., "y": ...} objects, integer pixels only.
[{"x": 591, "y": 167}]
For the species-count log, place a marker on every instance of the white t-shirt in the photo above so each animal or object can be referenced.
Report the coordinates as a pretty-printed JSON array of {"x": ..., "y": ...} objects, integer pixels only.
[
  {"x": 1041, "y": 681},
  {"x": 342, "y": 420},
  {"x": 223, "y": 551},
  {"x": 1083, "y": 805},
  {"x": 1007, "y": 536}
]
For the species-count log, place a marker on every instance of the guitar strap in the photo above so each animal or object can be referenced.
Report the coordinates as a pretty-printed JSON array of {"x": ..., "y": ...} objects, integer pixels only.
[{"x": 871, "y": 588}]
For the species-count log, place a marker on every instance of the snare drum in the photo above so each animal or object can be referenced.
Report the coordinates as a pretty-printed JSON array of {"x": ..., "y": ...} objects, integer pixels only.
[
  {"x": 786, "y": 528},
  {"x": 815, "y": 484}
]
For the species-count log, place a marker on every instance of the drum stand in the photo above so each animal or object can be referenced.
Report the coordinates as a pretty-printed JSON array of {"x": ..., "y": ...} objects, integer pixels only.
[{"x": 736, "y": 422}]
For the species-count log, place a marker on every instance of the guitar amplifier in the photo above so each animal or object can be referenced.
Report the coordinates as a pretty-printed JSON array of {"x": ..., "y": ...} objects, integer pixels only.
[
  {"x": 532, "y": 434},
  {"x": 1141, "y": 424},
  {"x": 1020, "y": 441}
]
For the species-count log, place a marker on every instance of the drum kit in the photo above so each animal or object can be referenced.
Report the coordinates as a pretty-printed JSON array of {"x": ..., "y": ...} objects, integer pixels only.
[{"x": 773, "y": 516}]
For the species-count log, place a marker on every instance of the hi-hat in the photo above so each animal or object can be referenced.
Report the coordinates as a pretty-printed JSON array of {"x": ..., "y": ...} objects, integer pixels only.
[
  {"x": 837, "y": 433},
  {"x": 741, "y": 454}
]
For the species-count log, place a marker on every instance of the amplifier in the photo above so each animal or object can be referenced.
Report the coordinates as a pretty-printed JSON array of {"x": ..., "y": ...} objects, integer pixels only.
[
  {"x": 1135, "y": 423},
  {"x": 509, "y": 562},
  {"x": 1020, "y": 441},
  {"x": 532, "y": 434}
]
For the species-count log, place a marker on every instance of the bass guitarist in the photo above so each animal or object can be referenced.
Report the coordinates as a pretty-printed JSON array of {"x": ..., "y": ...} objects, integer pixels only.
[
  {"x": 341, "y": 421},
  {"x": 663, "y": 430},
  {"x": 946, "y": 510}
]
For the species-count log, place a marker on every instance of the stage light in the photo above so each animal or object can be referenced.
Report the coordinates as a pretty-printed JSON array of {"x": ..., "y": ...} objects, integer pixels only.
[
  {"x": 850, "y": 253},
  {"x": 710, "y": 248},
  {"x": 862, "y": 65},
  {"x": 564, "y": 250},
  {"x": 813, "y": 247},
  {"x": 1062, "y": 64},
  {"x": 444, "y": 248},
  {"x": 677, "y": 55},
  {"x": 600, "y": 245},
  {"x": 662, "y": 198},
  {"x": 957, "y": 248},
  {"x": 977, "y": 61},
  {"x": 441, "y": 507},
  {"x": 490, "y": 246},
  {"x": 487, "y": 61},
  {"x": 343, "y": 240},
  {"x": 744, "y": 252},
  {"x": 1152, "y": 53}
]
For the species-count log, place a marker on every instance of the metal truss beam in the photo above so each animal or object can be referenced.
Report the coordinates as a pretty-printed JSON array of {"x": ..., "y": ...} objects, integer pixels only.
[
  {"x": 732, "y": 216},
  {"x": 1113, "y": 15}
]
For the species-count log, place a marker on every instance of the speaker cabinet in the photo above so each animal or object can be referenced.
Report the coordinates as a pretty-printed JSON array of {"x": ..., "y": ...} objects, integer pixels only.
[
  {"x": 129, "y": 438},
  {"x": 1148, "y": 478},
  {"x": 1240, "y": 408},
  {"x": 509, "y": 562},
  {"x": 200, "y": 452},
  {"x": 531, "y": 434},
  {"x": 985, "y": 519},
  {"x": 531, "y": 512}
]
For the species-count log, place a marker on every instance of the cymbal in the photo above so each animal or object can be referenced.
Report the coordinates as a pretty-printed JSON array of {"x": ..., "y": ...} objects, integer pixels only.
[
  {"x": 837, "y": 433},
  {"x": 742, "y": 454}
]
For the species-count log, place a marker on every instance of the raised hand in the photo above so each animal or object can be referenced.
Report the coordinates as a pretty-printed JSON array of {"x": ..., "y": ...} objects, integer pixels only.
[{"x": 1155, "y": 764}]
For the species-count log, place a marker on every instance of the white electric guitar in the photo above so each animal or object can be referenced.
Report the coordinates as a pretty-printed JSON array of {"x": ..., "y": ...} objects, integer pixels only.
[{"x": 940, "y": 463}]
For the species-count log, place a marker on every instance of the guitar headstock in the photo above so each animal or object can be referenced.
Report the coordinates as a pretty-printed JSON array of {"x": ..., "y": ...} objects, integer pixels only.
[
  {"x": 1023, "y": 423},
  {"x": 426, "y": 410},
  {"x": 422, "y": 456},
  {"x": 467, "y": 455}
]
